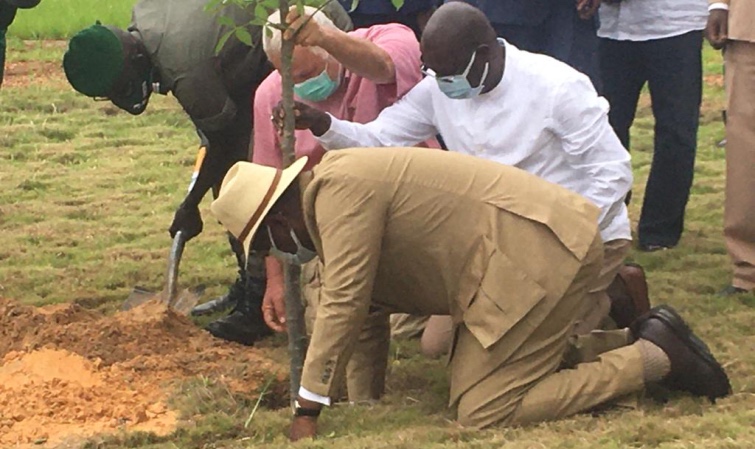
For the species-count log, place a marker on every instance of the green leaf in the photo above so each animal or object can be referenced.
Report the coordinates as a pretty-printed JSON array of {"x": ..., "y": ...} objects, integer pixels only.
[
  {"x": 244, "y": 36},
  {"x": 397, "y": 4},
  {"x": 260, "y": 11},
  {"x": 227, "y": 21},
  {"x": 212, "y": 5},
  {"x": 223, "y": 40}
]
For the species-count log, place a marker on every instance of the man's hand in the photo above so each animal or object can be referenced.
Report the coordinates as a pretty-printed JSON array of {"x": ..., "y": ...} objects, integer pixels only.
[
  {"x": 305, "y": 31},
  {"x": 188, "y": 220},
  {"x": 717, "y": 30},
  {"x": 587, "y": 8},
  {"x": 274, "y": 305},
  {"x": 306, "y": 118},
  {"x": 303, "y": 427}
]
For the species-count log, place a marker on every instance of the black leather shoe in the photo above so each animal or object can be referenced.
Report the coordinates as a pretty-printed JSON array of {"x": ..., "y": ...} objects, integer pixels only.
[
  {"x": 731, "y": 290},
  {"x": 693, "y": 367}
]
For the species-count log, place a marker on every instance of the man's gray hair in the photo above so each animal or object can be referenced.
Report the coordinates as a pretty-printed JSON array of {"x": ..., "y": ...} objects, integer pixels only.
[{"x": 272, "y": 38}]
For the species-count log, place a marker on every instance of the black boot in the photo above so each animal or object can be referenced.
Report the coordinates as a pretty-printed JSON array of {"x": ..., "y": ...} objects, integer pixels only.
[
  {"x": 244, "y": 324},
  {"x": 236, "y": 290},
  {"x": 221, "y": 303}
]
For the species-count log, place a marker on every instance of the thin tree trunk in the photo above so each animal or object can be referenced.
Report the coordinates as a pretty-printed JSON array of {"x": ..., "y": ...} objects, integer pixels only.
[{"x": 297, "y": 333}]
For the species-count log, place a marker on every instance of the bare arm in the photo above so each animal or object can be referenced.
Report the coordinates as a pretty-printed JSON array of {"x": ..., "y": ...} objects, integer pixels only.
[{"x": 359, "y": 56}]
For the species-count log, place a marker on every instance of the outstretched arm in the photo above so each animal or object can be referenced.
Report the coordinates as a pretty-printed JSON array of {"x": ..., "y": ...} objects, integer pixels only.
[
  {"x": 406, "y": 123},
  {"x": 226, "y": 123}
]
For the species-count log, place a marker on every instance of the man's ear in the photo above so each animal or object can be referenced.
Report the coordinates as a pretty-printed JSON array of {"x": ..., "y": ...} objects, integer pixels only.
[{"x": 484, "y": 51}]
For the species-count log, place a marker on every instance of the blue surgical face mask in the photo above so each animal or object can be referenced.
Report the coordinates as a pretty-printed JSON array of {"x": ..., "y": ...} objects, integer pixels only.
[
  {"x": 318, "y": 88},
  {"x": 457, "y": 87},
  {"x": 302, "y": 255}
]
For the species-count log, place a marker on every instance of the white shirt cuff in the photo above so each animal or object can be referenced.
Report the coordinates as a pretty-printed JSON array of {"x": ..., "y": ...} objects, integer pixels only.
[
  {"x": 326, "y": 139},
  {"x": 308, "y": 395},
  {"x": 719, "y": 5}
]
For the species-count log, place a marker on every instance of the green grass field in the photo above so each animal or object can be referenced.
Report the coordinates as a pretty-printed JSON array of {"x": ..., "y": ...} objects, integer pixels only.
[
  {"x": 55, "y": 19},
  {"x": 88, "y": 193}
]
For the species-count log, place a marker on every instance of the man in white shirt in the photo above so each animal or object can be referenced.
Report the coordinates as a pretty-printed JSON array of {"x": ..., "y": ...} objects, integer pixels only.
[
  {"x": 529, "y": 111},
  {"x": 658, "y": 42}
]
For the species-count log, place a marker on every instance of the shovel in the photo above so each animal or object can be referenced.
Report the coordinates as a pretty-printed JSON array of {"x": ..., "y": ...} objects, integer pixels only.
[{"x": 181, "y": 302}]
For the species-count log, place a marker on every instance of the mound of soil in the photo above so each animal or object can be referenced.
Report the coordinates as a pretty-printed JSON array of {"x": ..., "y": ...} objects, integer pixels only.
[{"x": 69, "y": 372}]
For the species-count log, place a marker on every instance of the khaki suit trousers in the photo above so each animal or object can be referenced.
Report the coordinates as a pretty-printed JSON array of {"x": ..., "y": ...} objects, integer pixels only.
[
  {"x": 593, "y": 313},
  {"x": 595, "y": 310},
  {"x": 739, "y": 208},
  {"x": 529, "y": 385}
]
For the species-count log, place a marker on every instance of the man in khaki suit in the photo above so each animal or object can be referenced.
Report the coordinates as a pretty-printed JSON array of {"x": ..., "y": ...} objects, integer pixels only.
[
  {"x": 506, "y": 254},
  {"x": 731, "y": 25}
]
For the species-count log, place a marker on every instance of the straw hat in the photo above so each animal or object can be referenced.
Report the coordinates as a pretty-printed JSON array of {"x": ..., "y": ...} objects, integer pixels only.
[{"x": 248, "y": 192}]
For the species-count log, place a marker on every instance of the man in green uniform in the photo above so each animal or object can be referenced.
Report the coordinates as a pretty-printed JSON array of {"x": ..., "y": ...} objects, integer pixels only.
[
  {"x": 171, "y": 47},
  {"x": 8, "y": 10}
]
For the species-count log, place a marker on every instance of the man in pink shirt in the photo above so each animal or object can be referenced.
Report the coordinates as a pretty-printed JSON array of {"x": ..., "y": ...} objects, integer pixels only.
[
  {"x": 365, "y": 70},
  {"x": 352, "y": 76}
]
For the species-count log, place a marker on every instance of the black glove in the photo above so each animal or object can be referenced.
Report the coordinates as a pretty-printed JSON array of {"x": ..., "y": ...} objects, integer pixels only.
[{"x": 188, "y": 220}]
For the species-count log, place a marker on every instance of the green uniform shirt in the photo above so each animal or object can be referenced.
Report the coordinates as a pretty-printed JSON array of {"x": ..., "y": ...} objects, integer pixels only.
[{"x": 180, "y": 37}]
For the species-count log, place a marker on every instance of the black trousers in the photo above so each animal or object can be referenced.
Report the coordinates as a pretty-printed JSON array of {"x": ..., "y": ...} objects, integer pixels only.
[
  {"x": 563, "y": 35},
  {"x": 672, "y": 68}
]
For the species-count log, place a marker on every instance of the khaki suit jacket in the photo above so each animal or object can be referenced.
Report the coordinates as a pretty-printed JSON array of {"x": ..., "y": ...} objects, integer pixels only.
[
  {"x": 741, "y": 19},
  {"x": 428, "y": 232}
]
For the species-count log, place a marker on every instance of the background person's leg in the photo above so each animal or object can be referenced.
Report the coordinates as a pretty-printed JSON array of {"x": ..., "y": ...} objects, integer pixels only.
[
  {"x": 675, "y": 82},
  {"x": 622, "y": 75},
  {"x": 7, "y": 14},
  {"x": 739, "y": 211},
  {"x": 523, "y": 37}
]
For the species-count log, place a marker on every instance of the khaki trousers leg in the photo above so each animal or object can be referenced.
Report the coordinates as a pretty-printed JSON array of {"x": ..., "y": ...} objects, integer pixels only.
[
  {"x": 595, "y": 310},
  {"x": 405, "y": 326},
  {"x": 528, "y": 386},
  {"x": 436, "y": 339},
  {"x": 368, "y": 363},
  {"x": 739, "y": 208},
  {"x": 588, "y": 347}
]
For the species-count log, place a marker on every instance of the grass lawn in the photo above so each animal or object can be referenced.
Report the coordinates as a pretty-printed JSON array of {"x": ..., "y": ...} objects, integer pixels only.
[
  {"x": 88, "y": 192},
  {"x": 56, "y": 19}
]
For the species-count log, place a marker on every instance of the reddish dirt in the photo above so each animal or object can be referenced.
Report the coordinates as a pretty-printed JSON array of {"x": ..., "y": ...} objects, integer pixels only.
[
  {"x": 66, "y": 372},
  {"x": 28, "y": 73},
  {"x": 714, "y": 80},
  {"x": 22, "y": 72}
]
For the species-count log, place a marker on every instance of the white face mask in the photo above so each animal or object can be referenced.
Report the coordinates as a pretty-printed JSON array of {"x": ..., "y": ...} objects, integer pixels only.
[{"x": 302, "y": 255}]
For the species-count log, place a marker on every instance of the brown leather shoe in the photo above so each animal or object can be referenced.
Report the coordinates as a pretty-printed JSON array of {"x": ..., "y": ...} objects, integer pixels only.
[
  {"x": 693, "y": 367},
  {"x": 629, "y": 295}
]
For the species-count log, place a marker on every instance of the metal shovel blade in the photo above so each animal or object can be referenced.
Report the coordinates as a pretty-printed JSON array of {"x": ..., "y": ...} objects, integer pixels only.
[{"x": 181, "y": 302}]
